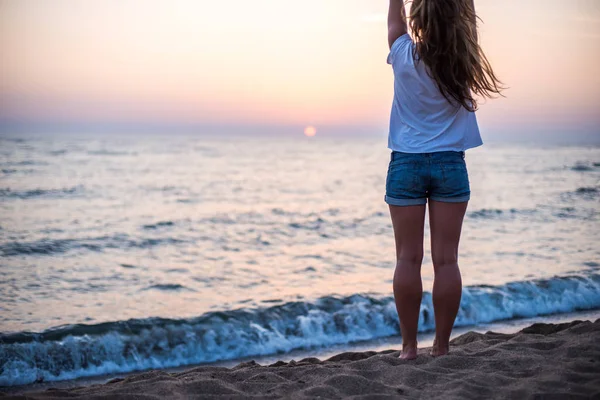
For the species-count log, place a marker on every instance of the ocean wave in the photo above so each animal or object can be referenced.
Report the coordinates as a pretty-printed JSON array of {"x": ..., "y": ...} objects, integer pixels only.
[
  {"x": 583, "y": 193},
  {"x": 542, "y": 213},
  {"x": 13, "y": 139},
  {"x": 57, "y": 246},
  {"x": 492, "y": 213},
  {"x": 586, "y": 190},
  {"x": 28, "y": 194},
  {"x": 74, "y": 351},
  {"x": 105, "y": 152},
  {"x": 583, "y": 167},
  {"x": 25, "y": 171},
  {"x": 169, "y": 287},
  {"x": 159, "y": 224},
  {"x": 22, "y": 163},
  {"x": 592, "y": 265},
  {"x": 266, "y": 230}
]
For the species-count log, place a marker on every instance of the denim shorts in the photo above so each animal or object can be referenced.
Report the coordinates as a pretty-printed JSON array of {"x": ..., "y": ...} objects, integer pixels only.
[{"x": 414, "y": 177}]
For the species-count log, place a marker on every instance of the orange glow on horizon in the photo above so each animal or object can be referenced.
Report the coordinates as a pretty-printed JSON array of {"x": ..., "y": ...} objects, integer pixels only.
[
  {"x": 310, "y": 131},
  {"x": 273, "y": 62}
]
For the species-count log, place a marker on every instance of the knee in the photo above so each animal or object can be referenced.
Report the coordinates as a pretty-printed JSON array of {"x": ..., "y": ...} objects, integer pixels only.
[
  {"x": 411, "y": 260},
  {"x": 445, "y": 261}
]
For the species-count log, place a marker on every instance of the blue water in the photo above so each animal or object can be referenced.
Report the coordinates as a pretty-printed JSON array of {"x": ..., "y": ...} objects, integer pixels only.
[{"x": 124, "y": 253}]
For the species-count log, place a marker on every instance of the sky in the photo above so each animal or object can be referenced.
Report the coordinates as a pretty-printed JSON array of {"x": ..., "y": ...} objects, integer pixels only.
[{"x": 278, "y": 63}]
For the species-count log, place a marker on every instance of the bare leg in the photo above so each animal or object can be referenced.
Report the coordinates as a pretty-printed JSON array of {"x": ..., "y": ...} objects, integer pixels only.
[
  {"x": 408, "y": 225},
  {"x": 445, "y": 220}
]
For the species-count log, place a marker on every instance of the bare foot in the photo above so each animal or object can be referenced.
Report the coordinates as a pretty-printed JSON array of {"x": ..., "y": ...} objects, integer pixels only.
[
  {"x": 438, "y": 350},
  {"x": 409, "y": 352}
]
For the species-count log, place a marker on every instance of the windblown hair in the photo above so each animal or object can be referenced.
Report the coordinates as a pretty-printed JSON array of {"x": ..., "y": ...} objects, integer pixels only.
[{"x": 445, "y": 35}]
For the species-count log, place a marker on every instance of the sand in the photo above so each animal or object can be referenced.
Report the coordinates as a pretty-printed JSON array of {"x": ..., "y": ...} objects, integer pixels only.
[{"x": 543, "y": 361}]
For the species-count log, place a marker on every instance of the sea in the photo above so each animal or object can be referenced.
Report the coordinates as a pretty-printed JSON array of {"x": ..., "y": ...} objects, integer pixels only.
[{"x": 130, "y": 252}]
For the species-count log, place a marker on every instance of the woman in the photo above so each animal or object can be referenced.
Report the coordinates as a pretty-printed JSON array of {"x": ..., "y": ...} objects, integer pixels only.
[{"x": 432, "y": 123}]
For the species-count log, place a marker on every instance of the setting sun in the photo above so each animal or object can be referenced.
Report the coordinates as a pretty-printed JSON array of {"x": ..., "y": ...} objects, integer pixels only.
[{"x": 310, "y": 131}]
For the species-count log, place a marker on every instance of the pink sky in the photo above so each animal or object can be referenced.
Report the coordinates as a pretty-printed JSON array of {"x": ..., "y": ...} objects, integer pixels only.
[{"x": 276, "y": 62}]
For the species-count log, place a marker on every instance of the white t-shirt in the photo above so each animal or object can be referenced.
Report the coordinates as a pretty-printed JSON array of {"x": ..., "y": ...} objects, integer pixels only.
[{"x": 422, "y": 120}]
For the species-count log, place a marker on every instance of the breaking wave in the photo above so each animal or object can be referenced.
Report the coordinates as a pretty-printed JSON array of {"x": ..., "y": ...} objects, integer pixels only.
[{"x": 74, "y": 351}]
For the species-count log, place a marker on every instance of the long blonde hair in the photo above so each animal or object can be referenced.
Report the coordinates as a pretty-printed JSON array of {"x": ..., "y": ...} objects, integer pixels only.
[{"x": 445, "y": 35}]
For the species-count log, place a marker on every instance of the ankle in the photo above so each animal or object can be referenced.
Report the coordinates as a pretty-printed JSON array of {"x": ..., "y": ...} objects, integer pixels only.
[{"x": 409, "y": 344}]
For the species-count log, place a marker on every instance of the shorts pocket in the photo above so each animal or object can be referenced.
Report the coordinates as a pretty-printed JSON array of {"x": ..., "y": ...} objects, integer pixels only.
[
  {"x": 454, "y": 180},
  {"x": 403, "y": 181}
]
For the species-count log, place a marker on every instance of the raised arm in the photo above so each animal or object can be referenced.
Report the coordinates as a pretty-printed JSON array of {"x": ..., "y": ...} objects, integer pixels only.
[{"x": 396, "y": 21}]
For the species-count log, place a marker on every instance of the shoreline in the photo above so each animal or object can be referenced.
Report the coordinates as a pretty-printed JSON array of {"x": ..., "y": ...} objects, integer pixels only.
[{"x": 534, "y": 352}]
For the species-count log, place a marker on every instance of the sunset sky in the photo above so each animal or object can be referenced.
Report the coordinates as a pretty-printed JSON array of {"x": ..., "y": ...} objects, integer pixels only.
[{"x": 276, "y": 63}]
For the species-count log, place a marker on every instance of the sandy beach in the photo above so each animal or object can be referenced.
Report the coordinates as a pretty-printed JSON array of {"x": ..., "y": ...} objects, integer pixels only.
[
  {"x": 262, "y": 200},
  {"x": 541, "y": 361}
]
